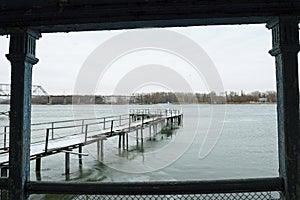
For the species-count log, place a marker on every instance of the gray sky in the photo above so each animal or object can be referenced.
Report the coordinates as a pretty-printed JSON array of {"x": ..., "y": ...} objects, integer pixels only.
[{"x": 240, "y": 54}]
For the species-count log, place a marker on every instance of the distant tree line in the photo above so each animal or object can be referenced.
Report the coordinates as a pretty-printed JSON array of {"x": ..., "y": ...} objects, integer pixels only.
[
  {"x": 207, "y": 98},
  {"x": 159, "y": 97}
]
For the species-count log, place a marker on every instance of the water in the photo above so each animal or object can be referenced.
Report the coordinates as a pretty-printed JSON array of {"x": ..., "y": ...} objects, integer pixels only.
[{"x": 247, "y": 147}]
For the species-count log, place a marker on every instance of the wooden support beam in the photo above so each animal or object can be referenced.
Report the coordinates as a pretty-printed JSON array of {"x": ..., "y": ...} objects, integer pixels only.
[
  {"x": 104, "y": 123},
  {"x": 98, "y": 150},
  {"x": 102, "y": 150},
  {"x": 120, "y": 140},
  {"x": 123, "y": 139},
  {"x": 86, "y": 132},
  {"x": 286, "y": 46},
  {"x": 67, "y": 163},
  {"x": 158, "y": 188},
  {"x": 38, "y": 164},
  {"x": 127, "y": 145},
  {"x": 62, "y": 16},
  {"x": 22, "y": 58},
  {"x": 111, "y": 127},
  {"x": 142, "y": 138},
  {"x": 5, "y": 137},
  {"x": 75, "y": 153},
  {"x": 80, "y": 155},
  {"x": 137, "y": 137}
]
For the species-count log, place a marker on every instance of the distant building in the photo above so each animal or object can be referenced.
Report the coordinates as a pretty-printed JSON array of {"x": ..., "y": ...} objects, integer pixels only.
[
  {"x": 119, "y": 99},
  {"x": 263, "y": 100}
]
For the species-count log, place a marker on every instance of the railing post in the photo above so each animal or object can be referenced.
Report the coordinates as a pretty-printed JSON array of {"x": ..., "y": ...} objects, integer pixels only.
[
  {"x": 120, "y": 120},
  {"x": 52, "y": 130},
  {"x": 104, "y": 123},
  {"x": 286, "y": 46},
  {"x": 129, "y": 123},
  {"x": 112, "y": 126},
  {"x": 4, "y": 139},
  {"x": 47, "y": 140},
  {"x": 82, "y": 126},
  {"x": 86, "y": 132}
]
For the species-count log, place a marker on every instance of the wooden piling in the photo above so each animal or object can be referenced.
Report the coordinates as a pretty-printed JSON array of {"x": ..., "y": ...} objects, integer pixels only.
[
  {"x": 67, "y": 163},
  {"x": 111, "y": 126},
  {"x": 120, "y": 140},
  {"x": 137, "y": 137},
  {"x": 38, "y": 164},
  {"x": 100, "y": 153},
  {"x": 86, "y": 132},
  {"x": 123, "y": 138},
  {"x": 80, "y": 155},
  {"x": 127, "y": 145},
  {"x": 142, "y": 137}
]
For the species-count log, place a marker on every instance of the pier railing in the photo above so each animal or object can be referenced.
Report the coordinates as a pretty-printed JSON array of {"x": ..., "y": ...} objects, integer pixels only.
[
  {"x": 86, "y": 131},
  {"x": 85, "y": 127},
  {"x": 45, "y": 131},
  {"x": 161, "y": 112}
]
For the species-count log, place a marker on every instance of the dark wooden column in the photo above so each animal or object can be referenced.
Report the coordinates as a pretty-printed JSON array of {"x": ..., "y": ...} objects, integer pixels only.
[
  {"x": 22, "y": 58},
  {"x": 285, "y": 49}
]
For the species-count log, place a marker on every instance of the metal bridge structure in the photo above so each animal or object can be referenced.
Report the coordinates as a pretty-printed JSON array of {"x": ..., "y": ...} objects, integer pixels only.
[{"x": 37, "y": 90}]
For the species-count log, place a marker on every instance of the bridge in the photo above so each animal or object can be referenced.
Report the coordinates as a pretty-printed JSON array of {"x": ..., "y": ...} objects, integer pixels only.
[
  {"x": 37, "y": 90},
  {"x": 65, "y": 136}
]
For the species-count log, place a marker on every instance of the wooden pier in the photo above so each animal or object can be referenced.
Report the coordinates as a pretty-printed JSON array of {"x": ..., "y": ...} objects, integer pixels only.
[{"x": 66, "y": 136}]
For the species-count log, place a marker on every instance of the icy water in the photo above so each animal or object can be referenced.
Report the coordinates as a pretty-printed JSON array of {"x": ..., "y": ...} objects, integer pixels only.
[{"x": 247, "y": 147}]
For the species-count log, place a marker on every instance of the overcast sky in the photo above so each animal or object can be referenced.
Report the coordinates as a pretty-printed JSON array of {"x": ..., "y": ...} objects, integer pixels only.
[{"x": 240, "y": 54}]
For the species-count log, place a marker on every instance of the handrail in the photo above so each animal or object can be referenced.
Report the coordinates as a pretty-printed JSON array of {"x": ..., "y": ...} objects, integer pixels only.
[
  {"x": 108, "y": 122},
  {"x": 154, "y": 111},
  {"x": 157, "y": 188},
  {"x": 85, "y": 127},
  {"x": 73, "y": 120}
]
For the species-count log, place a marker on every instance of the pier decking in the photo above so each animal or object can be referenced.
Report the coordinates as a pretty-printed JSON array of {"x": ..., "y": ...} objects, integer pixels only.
[{"x": 65, "y": 136}]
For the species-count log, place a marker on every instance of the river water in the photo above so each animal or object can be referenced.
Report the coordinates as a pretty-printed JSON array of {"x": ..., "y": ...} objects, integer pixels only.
[{"x": 246, "y": 148}]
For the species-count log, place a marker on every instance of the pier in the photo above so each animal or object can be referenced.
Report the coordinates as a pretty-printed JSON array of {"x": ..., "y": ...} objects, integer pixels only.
[{"x": 70, "y": 135}]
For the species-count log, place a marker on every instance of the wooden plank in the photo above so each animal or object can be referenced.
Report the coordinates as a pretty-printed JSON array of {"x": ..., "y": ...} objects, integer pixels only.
[
  {"x": 75, "y": 153},
  {"x": 157, "y": 188},
  {"x": 65, "y": 16}
]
